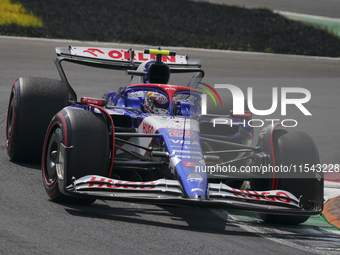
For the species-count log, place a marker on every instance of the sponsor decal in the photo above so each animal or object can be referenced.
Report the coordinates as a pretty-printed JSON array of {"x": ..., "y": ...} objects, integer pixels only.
[
  {"x": 188, "y": 157},
  {"x": 197, "y": 189},
  {"x": 169, "y": 87},
  {"x": 94, "y": 101},
  {"x": 93, "y": 52},
  {"x": 147, "y": 129},
  {"x": 190, "y": 164},
  {"x": 123, "y": 55},
  {"x": 179, "y": 133},
  {"x": 187, "y": 142},
  {"x": 194, "y": 176},
  {"x": 120, "y": 184},
  {"x": 189, "y": 152},
  {"x": 267, "y": 195}
]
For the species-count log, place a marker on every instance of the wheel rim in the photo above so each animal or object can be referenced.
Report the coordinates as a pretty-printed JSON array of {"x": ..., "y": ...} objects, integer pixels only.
[{"x": 51, "y": 155}]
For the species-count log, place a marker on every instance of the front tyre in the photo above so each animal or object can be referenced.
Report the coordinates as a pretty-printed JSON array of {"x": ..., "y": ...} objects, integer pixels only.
[
  {"x": 86, "y": 133},
  {"x": 296, "y": 148}
]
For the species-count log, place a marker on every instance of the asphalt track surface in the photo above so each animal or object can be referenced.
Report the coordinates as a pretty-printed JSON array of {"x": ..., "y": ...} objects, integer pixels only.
[
  {"x": 327, "y": 8},
  {"x": 32, "y": 224}
]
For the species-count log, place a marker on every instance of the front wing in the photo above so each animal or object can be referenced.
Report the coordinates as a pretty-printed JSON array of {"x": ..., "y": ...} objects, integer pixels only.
[{"x": 169, "y": 192}]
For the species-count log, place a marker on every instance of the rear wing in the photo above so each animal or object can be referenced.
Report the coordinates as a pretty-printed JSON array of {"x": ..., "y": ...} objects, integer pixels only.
[{"x": 120, "y": 59}]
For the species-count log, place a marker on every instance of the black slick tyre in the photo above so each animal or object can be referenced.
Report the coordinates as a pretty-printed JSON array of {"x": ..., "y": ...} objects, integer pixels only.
[
  {"x": 33, "y": 103},
  {"x": 296, "y": 148},
  {"x": 86, "y": 133}
]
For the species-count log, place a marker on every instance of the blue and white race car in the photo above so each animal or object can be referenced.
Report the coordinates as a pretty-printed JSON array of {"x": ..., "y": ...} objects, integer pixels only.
[{"x": 154, "y": 142}]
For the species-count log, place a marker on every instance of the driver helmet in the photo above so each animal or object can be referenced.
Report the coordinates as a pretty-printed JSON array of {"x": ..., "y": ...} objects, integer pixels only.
[{"x": 156, "y": 102}]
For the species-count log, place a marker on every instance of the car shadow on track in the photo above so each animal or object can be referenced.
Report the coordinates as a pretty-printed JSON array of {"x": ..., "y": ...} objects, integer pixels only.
[
  {"x": 194, "y": 219},
  {"x": 181, "y": 218},
  {"x": 25, "y": 165}
]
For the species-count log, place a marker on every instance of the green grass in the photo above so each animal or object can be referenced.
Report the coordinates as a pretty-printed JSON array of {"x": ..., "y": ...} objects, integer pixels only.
[
  {"x": 16, "y": 14},
  {"x": 330, "y": 25}
]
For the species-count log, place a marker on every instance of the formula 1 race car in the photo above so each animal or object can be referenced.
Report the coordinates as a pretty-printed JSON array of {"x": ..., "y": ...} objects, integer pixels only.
[{"x": 152, "y": 142}]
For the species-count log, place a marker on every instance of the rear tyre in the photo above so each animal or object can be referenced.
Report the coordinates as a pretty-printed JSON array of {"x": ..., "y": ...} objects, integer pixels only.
[
  {"x": 33, "y": 102},
  {"x": 87, "y": 134},
  {"x": 296, "y": 148}
]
